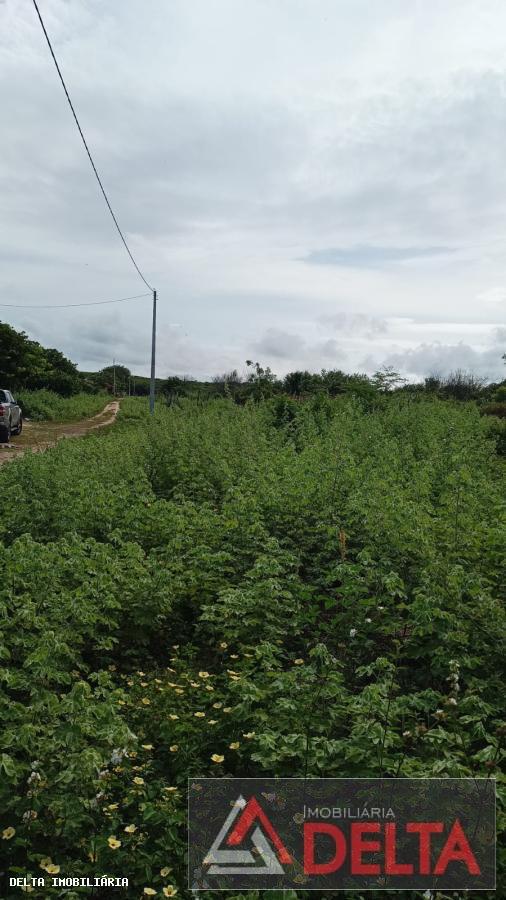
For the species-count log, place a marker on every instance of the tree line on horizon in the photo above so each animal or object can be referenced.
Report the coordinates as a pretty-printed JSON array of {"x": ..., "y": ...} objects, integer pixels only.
[{"x": 27, "y": 365}]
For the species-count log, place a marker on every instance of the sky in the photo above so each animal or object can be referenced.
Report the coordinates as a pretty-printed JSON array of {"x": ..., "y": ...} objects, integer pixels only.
[{"x": 307, "y": 183}]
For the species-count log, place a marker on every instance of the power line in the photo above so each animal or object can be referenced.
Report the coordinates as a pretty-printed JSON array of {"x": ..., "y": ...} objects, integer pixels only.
[
  {"x": 127, "y": 248},
  {"x": 70, "y": 305}
]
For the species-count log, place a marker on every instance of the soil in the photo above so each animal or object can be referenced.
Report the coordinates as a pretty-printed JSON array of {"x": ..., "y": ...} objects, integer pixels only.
[{"x": 39, "y": 436}]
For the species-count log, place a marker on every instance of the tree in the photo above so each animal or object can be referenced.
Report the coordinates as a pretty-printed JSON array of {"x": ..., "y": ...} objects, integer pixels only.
[
  {"x": 26, "y": 364},
  {"x": 297, "y": 383},
  {"x": 114, "y": 377},
  {"x": 232, "y": 377},
  {"x": 387, "y": 379},
  {"x": 262, "y": 380}
]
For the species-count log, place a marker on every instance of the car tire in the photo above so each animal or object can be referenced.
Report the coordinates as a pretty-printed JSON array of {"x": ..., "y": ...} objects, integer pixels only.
[
  {"x": 5, "y": 434},
  {"x": 19, "y": 429}
]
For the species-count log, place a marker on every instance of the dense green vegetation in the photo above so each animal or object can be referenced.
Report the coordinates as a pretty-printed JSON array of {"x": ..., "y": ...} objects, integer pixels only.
[
  {"x": 47, "y": 405},
  {"x": 26, "y": 364},
  {"x": 165, "y": 586}
]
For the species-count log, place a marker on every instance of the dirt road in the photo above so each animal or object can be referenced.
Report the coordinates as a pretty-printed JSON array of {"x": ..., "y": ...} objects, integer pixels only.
[{"x": 38, "y": 436}]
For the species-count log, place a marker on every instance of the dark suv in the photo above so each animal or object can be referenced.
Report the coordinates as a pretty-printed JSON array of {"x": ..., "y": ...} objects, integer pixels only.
[{"x": 11, "y": 417}]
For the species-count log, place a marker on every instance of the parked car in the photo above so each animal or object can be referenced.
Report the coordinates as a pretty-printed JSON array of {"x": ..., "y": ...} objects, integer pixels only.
[{"x": 11, "y": 417}]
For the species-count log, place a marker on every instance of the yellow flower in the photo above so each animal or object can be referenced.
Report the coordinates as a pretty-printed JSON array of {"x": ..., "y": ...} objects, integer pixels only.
[
  {"x": 223, "y": 645},
  {"x": 174, "y": 748},
  {"x": 147, "y": 746},
  {"x": 231, "y": 672},
  {"x": 170, "y": 891},
  {"x": 235, "y": 745},
  {"x": 121, "y": 702},
  {"x": 209, "y": 687},
  {"x": 173, "y": 717},
  {"x": 227, "y": 709},
  {"x": 141, "y": 674},
  {"x": 213, "y": 721},
  {"x": 204, "y": 675},
  {"x": 199, "y": 715},
  {"x": 248, "y": 735},
  {"x": 113, "y": 842},
  {"x": 44, "y": 863},
  {"x": 217, "y": 758},
  {"x": 150, "y": 892},
  {"x": 138, "y": 780},
  {"x": 170, "y": 790},
  {"x": 112, "y": 806},
  {"x": 234, "y": 656},
  {"x": 179, "y": 691},
  {"x": 52, "y": 869},
  {"x": 165, "y": 871},
  {"x": 144, "y": 684},
  {"x": 298, "y": 662},
  {"x": 217, "y": 705},
  {"x": 8, "y": 833},
  {"x": 130, "y": 829},
  {"x": 92, "y": 856},
  {"x": 145, "y": 701}
]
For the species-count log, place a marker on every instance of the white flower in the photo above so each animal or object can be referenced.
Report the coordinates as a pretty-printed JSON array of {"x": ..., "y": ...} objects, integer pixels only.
[
  {"x": 353, "y": 632},
  {"x": 451, "y": 701},
  {"x": 406, "y": 734},
  {"x": 368, "y": 621},
  {"x": 29, "y": 815},
  {"x": 381, "y": 608}
]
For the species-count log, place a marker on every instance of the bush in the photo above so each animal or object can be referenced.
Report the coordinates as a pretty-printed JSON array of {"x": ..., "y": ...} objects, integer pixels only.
[
  {"x": 165, "y": 588},
  {"x": 46, "y": 405}
]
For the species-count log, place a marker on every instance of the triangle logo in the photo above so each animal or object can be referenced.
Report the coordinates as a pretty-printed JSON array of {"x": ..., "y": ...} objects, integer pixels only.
[{"x": 247, "y": 821}]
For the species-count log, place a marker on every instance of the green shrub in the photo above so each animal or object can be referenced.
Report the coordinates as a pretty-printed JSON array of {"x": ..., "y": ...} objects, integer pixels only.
[
  {"x": 46, "y": 405},
  {"x": 169, "y": 583}
]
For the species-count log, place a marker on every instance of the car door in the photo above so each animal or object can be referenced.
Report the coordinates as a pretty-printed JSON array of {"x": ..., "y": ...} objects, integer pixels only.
[{"x": 14, "y": 410}]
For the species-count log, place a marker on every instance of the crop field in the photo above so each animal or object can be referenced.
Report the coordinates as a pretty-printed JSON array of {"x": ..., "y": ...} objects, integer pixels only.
[{"x": 278, "y": 588}]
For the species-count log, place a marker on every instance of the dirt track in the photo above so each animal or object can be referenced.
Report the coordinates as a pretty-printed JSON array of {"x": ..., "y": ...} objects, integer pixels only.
[{"x": 39, "y": 436}]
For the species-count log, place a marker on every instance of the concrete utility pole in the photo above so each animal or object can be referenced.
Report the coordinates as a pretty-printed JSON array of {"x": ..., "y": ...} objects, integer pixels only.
[
  {"x": 114, "y": 377},
  {"x": 153, "y": 354}
]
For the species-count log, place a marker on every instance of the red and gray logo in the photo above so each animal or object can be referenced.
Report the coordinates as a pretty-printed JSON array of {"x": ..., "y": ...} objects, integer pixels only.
[{"x": 247, "y": 843}]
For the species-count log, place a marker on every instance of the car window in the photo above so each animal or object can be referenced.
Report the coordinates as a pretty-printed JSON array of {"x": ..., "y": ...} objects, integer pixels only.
[{"x": 3, "y": 397}]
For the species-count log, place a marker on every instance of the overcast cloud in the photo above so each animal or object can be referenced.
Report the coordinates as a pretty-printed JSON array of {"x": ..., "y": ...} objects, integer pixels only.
[{"x": 313, "y": 183}]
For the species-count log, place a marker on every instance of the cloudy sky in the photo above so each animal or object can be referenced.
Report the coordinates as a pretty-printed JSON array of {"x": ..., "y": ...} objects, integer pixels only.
[{"x": 310, "y": 183}]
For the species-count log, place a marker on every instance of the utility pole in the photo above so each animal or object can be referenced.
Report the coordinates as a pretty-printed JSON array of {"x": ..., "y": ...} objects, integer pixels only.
[
  {"x": 153, "y": 354},
  {"x": 114, "y": 377}
]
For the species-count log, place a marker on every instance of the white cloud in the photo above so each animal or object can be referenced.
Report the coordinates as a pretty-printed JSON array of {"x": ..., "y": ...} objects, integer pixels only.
[{"x": 239, "y": 138}]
